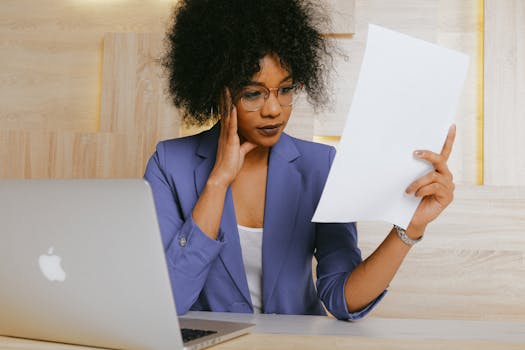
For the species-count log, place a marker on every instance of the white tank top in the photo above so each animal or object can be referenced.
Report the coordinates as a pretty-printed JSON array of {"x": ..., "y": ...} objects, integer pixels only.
[{"x": 251, "y": 246}]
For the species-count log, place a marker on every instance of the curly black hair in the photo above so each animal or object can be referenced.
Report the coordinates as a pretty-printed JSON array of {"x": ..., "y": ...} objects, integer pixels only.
[{"x": 214, "y": 44}]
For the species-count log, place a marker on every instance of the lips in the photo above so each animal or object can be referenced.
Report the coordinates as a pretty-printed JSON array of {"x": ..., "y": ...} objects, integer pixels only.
[{"x": 270, "y": 130}]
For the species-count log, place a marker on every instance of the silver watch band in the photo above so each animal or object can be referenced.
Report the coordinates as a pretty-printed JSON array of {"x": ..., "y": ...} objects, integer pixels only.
[{"x": 403, "y": 235}]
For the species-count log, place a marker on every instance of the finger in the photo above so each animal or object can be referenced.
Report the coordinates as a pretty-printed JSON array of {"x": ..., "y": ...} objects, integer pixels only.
[
  {"x": 427, "y": 179},
  {"x": 227, "y": 101},
  {"x": 225, "y": 126},
  {"x": 232, "y": 117},
  {"x": 449, "y": 142},
  {"x": 437, "y": 190},
  {"x": 225, "y": 108},
  {"x": 437, "y": 160},
  {"x": 223, "y": 102}
]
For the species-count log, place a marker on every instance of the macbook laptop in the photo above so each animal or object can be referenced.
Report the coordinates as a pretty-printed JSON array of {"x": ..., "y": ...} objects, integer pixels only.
[{"x": 81, "y": 262}]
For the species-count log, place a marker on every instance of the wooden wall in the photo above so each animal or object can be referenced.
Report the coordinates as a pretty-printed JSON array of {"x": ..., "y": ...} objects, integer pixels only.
[
  {"x": 470, "y": 264},
  {"x": 56, "y": 58},
  {"x": 450, "y": 23},
  {"x": 505, "y": 92},
  {"x": 51, "y": 59}
]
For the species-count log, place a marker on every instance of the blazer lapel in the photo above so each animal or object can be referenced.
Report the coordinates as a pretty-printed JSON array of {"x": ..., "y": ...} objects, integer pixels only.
[
  {"x": 282, "y": 201},
  {"x": 231, "y": 253}
]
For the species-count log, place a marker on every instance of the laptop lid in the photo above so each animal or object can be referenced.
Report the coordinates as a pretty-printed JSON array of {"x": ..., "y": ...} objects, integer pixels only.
[{"x": 82, "y": 262}]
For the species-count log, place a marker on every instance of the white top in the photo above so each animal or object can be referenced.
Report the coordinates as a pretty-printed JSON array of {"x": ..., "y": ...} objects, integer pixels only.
[{"x": 251, "y": 246}]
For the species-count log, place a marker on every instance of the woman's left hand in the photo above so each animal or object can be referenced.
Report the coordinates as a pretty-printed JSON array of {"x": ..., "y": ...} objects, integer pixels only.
[{"x": 436, "y": 187}]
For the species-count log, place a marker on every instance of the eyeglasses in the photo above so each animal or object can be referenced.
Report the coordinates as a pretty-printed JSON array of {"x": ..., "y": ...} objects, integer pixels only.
[{"x": 253, "y": 98}]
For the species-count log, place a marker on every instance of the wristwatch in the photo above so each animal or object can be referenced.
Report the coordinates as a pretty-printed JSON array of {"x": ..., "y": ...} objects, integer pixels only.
[{"x": 402, "y": 233}]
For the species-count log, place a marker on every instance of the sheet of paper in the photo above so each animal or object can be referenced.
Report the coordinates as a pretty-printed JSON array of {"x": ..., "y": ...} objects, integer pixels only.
[{"x": 405, "y": 99}]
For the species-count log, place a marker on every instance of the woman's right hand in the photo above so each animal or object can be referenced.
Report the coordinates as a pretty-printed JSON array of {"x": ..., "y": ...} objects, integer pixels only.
[
  {"x": 207, "y": 212},
  {"x": 230, "y": 151}
]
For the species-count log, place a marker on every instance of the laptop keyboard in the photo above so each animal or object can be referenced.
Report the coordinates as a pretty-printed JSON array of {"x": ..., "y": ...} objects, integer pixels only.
[{"x": 192, "y": 334}]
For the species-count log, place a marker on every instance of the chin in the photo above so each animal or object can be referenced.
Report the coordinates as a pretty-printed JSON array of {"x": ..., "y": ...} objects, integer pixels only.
[{"x": 265, "y": 141}]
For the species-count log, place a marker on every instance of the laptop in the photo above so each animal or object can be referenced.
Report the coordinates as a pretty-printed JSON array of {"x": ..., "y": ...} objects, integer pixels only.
[{"x": 82, "y": 262}]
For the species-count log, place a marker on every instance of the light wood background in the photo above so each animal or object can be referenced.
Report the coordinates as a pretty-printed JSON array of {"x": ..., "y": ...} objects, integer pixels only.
[
  {"x": 450, "y": 23},
  {"x": 57, "y": 66},
  {"x": 51, "y": 78},
  {"x": 470, "y": 264}
]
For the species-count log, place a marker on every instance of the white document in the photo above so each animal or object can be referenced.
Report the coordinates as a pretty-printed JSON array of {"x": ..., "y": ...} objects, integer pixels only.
[{"x": 405, "y": 100}]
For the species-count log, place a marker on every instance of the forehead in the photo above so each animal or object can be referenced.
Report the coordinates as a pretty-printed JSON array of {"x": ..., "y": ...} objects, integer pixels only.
[{"x": 272, "y": 73}]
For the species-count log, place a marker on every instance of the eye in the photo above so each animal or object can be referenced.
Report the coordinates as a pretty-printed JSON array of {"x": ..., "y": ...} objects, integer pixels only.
[
  {"x": 251, "y": 94},
  {"x": 285, "y": 90}
]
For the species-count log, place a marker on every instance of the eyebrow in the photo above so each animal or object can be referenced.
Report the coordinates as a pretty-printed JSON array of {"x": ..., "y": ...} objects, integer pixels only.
[{"x": 261, "y": 84}]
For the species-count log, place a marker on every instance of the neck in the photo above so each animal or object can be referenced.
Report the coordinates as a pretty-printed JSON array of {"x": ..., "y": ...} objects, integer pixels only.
[{"x": 258, "y": 156}]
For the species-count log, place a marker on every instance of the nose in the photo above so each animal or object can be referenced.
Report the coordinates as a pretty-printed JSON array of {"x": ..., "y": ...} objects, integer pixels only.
[{"x": 271, "y": 108}]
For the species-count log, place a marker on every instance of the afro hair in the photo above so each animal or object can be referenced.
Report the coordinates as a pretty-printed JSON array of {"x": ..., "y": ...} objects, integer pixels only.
[{"x": 216, "y": 44}]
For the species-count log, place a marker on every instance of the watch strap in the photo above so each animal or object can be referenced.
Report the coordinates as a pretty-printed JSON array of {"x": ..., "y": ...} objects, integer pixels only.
[{"x": 403, "y": 235}]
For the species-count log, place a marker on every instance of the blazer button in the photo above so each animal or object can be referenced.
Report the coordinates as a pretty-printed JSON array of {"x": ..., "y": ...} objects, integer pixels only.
[{"x": 182, "y": 242}]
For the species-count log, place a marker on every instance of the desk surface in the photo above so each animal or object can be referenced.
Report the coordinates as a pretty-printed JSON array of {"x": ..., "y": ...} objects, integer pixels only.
[{"x": 315, "y": 332}]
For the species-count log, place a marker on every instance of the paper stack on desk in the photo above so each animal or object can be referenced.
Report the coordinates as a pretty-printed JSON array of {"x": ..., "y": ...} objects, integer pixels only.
[{"x": 405, "y": 100}]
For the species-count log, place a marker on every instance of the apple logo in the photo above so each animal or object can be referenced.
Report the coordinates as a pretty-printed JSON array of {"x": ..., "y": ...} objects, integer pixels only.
[{"x": 50, "y": 266}]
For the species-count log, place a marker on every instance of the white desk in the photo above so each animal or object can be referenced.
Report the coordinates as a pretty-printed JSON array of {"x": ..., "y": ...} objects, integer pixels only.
[
  {"x": 277, "y": 332},
  {"x": 390, "y": 328},
  {"x": 280, "y": 332}
]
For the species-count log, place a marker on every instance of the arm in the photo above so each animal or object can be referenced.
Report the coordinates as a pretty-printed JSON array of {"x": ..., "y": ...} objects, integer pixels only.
[
  {"x": 230, "y": 158},
  {"x": 190, "y": 243},
  {"x": 189, "y": 252},
  {"x": 337, "y": 256},
  {"x": 373, "y": 275}
]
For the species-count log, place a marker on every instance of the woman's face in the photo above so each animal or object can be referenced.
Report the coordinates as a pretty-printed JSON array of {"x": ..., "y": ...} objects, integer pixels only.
[{"x": 264, "y": 126}]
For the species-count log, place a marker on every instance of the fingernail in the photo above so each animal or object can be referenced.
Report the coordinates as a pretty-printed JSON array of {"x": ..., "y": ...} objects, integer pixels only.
[{"x": 418, "y": 154}]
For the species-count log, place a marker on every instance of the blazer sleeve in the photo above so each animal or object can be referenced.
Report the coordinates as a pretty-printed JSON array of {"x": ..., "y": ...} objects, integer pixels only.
[
  {"x": 190, "y": 253},
  {"x": 337, "y": 256}
]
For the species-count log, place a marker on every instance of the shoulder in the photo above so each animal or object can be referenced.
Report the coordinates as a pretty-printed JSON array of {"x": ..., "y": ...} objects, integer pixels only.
[
  {"x": 180, "y": 144},
  {"x": 313, "y": 152},
  {"x": 188, "y": 147},
  {"x": 312, "y": 146}
]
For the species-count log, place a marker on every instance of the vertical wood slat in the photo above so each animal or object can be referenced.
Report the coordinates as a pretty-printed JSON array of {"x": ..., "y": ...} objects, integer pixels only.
[
  {"x": 504, "y": 93},
  {"x": 133, "y": 88},
  {"x": 459, "y": 28}
]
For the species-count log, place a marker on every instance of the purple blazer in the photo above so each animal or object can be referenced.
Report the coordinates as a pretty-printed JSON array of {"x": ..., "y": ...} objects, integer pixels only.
[{"x": 209, "y": 275}]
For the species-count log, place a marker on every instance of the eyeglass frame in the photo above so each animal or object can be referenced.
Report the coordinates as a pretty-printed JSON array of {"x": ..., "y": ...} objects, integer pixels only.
[{"x": 293, "y": 86}]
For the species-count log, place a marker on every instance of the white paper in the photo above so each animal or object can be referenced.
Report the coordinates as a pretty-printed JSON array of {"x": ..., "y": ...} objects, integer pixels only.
[{"x": 405, "y": 100}]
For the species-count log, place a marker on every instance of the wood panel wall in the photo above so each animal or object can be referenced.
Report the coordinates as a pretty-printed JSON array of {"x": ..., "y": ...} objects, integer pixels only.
[
  {"x": 134, "y": 98},
  {"x": 470, "y": 264},
  {"x": 51, "y": 58},
  {"x": 52, "y": 76},
  {"x": 504, "y": 92},
  {"x": 450, "y": 23}
]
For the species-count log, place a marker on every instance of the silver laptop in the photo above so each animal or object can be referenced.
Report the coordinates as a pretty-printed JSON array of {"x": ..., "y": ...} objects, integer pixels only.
[{"x": 81, "y": 262}]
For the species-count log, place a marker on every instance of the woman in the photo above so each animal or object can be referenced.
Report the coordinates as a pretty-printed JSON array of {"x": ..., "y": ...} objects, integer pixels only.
[{"x": 235, "y": 202}]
